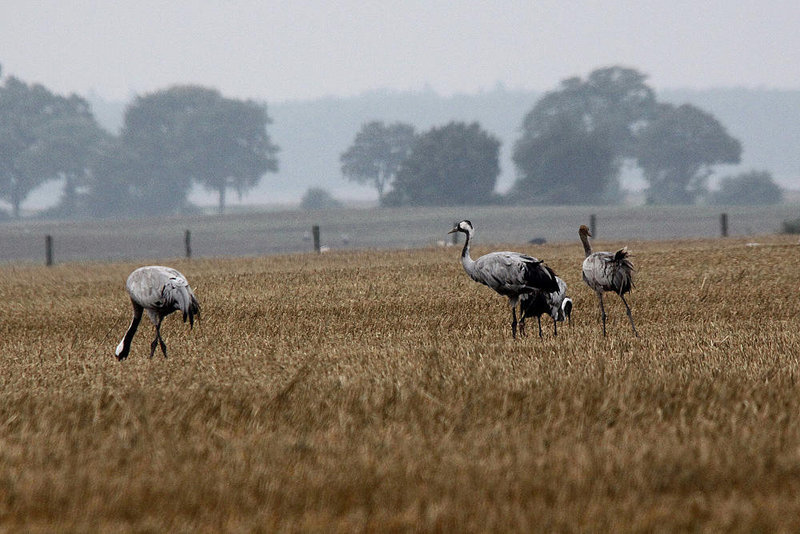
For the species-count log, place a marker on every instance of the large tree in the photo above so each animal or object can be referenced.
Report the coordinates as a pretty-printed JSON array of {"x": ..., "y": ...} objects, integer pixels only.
[
  {"x": 190, "y": 133},
  {"x": 574, "y": 139},
  {"x": 150, "y": 136},
  {"x": 377, "y": 154},
  {"x": 566, "y": 165},
  {"x": 225, "y": 145},
  {"x": 115, "y": 185},
  {"x": 677, "y": 151},
  {"x": 450, "y": 165},
  {"x": 69, "y": 143},
  {"x": 43, "y": 137}
]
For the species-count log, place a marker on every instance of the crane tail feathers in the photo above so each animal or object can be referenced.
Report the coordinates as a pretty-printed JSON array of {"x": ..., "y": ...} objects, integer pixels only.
[
  {"x": 187, "y": 303},
  {"x": 623, "y": 272},
  {"x": 548, "y": 279},
  {"x": 622, "y": 254},
  {"x": 194, "y": 310},
  {"x": 623, "y": 281}
]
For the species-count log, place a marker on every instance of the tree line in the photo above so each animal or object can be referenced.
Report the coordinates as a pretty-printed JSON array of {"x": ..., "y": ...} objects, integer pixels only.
[
  {"x": 573, "y": 144},
  {"x": 170, "y": 140},
  {"x": 571, "y": 150}
]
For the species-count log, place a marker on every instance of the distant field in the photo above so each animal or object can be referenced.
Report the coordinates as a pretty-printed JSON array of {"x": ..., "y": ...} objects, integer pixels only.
[
  {"x": 279, "y": 232},
  {"x": 380, "y": 391}
]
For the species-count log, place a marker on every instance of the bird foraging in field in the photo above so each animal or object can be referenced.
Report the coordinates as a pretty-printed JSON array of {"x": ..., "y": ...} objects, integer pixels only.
[
  {"x": 556, "y": 304},
  {"x": 510, "y": 274},
  {"x": 606, "y": 271},
  {"x": 159, "y": 291}
]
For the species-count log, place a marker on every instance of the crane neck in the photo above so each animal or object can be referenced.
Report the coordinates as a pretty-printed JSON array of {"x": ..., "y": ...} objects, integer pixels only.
[
  {"x": 466, "y": 259},
  {"x": 125, "y": 345},
  {"x": 587, "y": 247}
]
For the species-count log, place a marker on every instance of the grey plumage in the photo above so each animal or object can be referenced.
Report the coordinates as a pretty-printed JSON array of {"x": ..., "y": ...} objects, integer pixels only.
[
  {"x": 556, "y": 304},
  {"x": 606, "y": 271},
  {"x": 510, "y": 274},
  {"x": 159, "y": 291}
]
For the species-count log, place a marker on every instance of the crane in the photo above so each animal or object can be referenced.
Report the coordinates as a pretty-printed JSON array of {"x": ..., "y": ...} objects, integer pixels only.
[
  {"x": 606, "y": 271},
  {"x": 159, "y": 291},
  {"x": 510, "y": 274}
]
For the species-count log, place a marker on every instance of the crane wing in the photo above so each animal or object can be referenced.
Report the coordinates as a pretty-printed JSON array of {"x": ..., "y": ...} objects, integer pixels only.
[{"x": 512, "y": 272}]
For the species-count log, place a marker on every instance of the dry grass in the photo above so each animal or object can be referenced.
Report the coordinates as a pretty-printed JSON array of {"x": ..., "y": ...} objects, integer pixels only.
[{"x": 381, "y": 391}]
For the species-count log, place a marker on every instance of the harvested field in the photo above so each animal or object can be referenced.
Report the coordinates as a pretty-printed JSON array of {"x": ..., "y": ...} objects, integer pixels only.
[{"x": 381, "y": 391}]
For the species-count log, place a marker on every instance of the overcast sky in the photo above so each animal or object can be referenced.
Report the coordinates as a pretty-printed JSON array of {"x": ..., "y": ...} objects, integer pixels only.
[{"x": 277, "y": 51}]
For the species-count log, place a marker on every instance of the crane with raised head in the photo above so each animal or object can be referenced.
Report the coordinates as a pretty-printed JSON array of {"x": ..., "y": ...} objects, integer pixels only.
[
  {"x": 510, "y": 274},
  {"x": 607, "y": 271}
]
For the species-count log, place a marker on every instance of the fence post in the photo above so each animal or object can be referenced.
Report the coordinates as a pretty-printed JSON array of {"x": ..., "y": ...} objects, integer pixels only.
[
  {"x": 188, "y": 241},
  {"x": 48, "y": 250},
  {"x": 723, "y": 224},
  {"x": 593, "y": 225},
  {"x": 454, "y": 239},
  {"x": 315, "y": 233}
]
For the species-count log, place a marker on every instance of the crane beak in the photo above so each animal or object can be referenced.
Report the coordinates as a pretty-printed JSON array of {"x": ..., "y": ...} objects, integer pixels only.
[{"x": 454, "y": 230}]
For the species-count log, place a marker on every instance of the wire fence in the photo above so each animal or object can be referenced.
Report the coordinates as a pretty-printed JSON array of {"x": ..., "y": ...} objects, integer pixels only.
[{"x": 257, "y": 234}]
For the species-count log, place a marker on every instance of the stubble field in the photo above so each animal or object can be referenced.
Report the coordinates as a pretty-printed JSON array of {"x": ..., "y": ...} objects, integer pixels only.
[{"x": 381, "y": 391}]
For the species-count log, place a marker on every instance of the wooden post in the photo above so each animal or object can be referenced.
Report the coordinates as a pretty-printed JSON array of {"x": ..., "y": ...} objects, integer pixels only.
[
  {"x": 723, "y": 224},
  {"x": 188, "y": 241},
  {"x": 315, "y": 233},
  {"x": 48, "y": 250},
  {"x": 593, "y": 225},
  {"x": 454, "y": 234}
]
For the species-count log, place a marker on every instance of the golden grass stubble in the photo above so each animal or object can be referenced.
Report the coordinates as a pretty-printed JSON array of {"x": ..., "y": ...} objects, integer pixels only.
[{"x": 381, "y": 389}]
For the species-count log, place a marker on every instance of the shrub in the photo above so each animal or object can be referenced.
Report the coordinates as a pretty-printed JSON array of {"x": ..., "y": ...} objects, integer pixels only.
[
  {"x": 791, "y": 226},
  {"x": 317, "y": 198},
  {"x": 750, "y": 188}
]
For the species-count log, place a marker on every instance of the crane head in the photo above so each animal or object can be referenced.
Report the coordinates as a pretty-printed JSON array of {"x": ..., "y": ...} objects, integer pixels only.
[
  {"x": 584, "y": 231},
  {"x": 464, "y": 226},
  {"x": 122, "y": 351},
  {"x": 566, "y": 309}
]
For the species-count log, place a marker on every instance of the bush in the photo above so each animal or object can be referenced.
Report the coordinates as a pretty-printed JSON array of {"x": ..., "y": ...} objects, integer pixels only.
[
  {"x": 751, "y": 188},
  {"x": 394, "y": 199},
  {"x": 317, "y": 198},
  {"x": 791, "y": 226}
]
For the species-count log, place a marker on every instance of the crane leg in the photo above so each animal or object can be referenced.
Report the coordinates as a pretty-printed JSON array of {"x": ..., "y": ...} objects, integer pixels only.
[
  {"x": 555, "y": 327},
  {"x": 158, "y": 341},
  {"x": 161, "y": 340},
  {"x": 153, "y": 345},
  {"x": 602, "y": 312},
  {"x": 630, "y": 315},
  {"x": 539, "y": 320},
  {"x": 514, "y": 322}
]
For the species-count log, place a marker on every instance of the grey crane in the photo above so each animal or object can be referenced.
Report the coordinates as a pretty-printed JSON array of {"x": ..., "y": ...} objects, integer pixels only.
[
  {"x": 556, "y": 304},
  {"x": 606, "y": 271},
  {"x": 159, "y": 291},
  {"x": 511, "y": 274}
]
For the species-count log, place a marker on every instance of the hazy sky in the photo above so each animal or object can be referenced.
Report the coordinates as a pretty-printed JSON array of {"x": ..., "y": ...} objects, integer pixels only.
[{"x": 288, "y": 50}]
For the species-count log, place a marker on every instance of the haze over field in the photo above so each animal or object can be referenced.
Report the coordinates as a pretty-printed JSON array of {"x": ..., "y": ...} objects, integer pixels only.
[
  {"x": 326, "y": 67},
  {"x": 312, "y": 134},
  {"x": 280, "y": 51}
]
